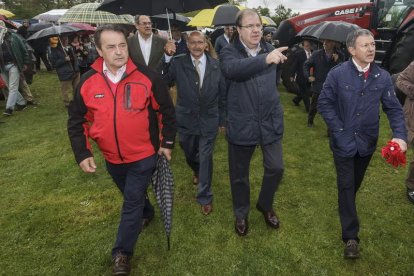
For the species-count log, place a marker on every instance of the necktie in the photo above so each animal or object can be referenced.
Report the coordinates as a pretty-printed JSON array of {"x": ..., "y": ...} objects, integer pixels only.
[{"x": 197, "y": 67}]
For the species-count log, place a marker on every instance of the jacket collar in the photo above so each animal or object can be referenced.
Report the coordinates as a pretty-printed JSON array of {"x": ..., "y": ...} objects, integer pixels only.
[
  {"x": 239, "y": 46},
  {"x": 98, "y": 66},
  {"x": 374, "y": 69}
]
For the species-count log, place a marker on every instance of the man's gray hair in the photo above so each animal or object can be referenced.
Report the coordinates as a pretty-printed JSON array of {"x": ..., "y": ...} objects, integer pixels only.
[{"x": 352, "y": 37}]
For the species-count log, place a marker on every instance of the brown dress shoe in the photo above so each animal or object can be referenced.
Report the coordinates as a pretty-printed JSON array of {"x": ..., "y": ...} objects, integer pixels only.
[
  {"x": 121, "y": 264},
  {"x": 195, "y": 179},
  {"x": 269, "y": 217},
  {"x": 241, "y": 226},
  {"x": 207, "y": 209}
]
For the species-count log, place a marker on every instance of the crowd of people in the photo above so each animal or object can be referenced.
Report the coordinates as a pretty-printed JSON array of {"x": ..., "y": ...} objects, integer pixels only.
[{"x": 123, "y": 103}]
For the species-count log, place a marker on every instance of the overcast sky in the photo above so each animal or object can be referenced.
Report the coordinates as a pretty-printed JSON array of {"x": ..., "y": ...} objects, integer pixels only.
[{"x": 302, "y": 6}]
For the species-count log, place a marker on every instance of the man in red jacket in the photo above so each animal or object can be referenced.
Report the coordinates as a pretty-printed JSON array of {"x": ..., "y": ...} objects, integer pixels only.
[{"x": 122, "y": 107}]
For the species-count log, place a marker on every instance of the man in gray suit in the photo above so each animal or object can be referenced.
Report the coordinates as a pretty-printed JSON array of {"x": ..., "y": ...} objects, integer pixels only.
[
  {"x": 199, "y": 111},
  {"x": 144, "y": 47}
]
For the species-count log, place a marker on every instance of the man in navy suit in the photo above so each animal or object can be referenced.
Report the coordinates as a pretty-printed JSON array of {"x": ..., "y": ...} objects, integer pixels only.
[
  {"x": 199, "y": 110},
  {"x": 299, "y": 58},
  {"x": 224, "y": 39}
]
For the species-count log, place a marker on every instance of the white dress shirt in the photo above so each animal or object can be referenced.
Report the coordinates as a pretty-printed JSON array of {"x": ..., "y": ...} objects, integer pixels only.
[
  {"x": 202, "y": 67},
  {"x": 114, "y": 78},
  {"x": 145, "y": 45}
]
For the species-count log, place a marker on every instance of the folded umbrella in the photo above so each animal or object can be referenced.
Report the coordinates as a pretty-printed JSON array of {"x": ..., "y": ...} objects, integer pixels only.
[
  {"x": 163, "y": 185},
  {"x": 393, "y": 155}
]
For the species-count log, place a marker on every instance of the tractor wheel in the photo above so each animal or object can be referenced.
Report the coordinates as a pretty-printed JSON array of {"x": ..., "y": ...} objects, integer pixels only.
[{"x": 403, "y": 52}]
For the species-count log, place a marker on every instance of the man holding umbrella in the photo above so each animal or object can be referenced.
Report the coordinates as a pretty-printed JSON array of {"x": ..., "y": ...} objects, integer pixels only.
[{"x": 121, "y": 106}]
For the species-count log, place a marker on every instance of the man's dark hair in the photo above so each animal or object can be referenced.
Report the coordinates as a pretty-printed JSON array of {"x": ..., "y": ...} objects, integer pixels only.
[
  {"x": 107, "y": 27},
  {"x": 352, "y": 37}
]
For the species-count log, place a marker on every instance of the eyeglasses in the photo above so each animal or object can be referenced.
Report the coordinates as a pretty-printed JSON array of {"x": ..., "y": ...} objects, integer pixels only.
[
  {"x": 146, "y": 23},
  {"x": 250, "y": 27}
]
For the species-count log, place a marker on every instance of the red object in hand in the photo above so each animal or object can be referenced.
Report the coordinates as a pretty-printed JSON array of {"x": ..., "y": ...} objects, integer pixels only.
[{"x": 393, "y": 154}]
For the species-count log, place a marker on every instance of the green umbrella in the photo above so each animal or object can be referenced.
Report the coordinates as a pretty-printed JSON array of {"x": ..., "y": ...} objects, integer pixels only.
[{"x": 86, "y": 13}]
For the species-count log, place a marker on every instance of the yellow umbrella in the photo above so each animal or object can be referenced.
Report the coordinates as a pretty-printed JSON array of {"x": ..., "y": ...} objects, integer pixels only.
[
  {"x": 6, "y": 13},
  {"x": 210, "y": 17},
  {"x": 221, "y": 15}
]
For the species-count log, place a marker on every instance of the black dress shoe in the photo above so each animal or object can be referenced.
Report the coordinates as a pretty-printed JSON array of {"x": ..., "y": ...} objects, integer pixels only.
[
  {"x": 410, "y": 195},
  {"x": 241, "y": 226},
  {"x": 269, "y": 217}
]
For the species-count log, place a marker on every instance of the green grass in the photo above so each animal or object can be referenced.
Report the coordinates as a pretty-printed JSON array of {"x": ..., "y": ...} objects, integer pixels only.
[{"x": 56, "y": 220}]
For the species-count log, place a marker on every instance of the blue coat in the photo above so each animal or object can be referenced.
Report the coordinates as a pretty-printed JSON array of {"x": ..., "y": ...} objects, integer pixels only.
[
  {"x": 220, "y": 43},
  {"x": 65, "y": 70},
  {"x": 350, "y": 107},
  {"x": 198, "y": 111},
  {"x": 254, "y": 112}
]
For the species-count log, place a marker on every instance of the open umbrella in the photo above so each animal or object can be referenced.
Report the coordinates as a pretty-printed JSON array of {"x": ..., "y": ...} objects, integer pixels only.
[
  {"x": 54, "y": 31},
  {"x": 9, "y": 24},
  {"x": 51, "y": 16},
  {"x": 37, "y": 27},
  {"x": 161, "y": 21},
  {"x": 163, "y": 185},
  {"x": 332, "y": 30},
  {"x": 87, "y": 13},
  {"x": 7, "y": 13},
  {"x": 85, "y": 27}
]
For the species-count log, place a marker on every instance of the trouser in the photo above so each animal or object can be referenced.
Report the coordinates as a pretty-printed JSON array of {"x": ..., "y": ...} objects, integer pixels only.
[
  {"x": 198, "y": 152},
  {"x": 11, "y": 76},
  {"x": 303, "y": 94},
  {"x": 68, "y": 85},
  {"x": 410, "y": 176},
  {"x": 239, "y": 165},
  {"x": 25, "y": 90},
  {"x": 132, "y": 179},
  {"x": 313, "y": 107},
  {"x": 43, "y": 57},
  {"x": 350, "y": 172}
]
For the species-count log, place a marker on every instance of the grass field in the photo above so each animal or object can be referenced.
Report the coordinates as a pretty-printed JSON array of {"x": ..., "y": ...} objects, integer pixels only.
[{"x": 56, "y": 220}]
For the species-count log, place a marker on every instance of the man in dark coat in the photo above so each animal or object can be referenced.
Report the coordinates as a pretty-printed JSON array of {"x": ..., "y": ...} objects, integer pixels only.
[
  {"x": 321, "y": 61},
  {"x": 254, "y": 117},
  {"x": 200, "y": 110},
  {"x": 224, "y": 39},
  {"x": 350, "y": 105},
  {"x": 299, "y": 58}
]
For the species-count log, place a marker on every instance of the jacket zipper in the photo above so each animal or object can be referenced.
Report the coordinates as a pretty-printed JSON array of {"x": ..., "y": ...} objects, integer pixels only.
[{"x": 115, "y": 129}]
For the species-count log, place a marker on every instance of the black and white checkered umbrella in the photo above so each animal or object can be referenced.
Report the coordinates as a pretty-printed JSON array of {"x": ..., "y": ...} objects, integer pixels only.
[{"x": 163, "y": 184}]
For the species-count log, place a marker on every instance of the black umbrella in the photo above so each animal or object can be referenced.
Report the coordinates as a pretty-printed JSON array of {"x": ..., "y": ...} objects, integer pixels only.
[
  {"x": 163, "y": 184},
  {"x": 332, "y": 30},
  {"x": 161, "y": 21},
  {"x": 54, "y": 31},
  {"x": 152, "y": 7},
  {"x": 37, "y": 27}
]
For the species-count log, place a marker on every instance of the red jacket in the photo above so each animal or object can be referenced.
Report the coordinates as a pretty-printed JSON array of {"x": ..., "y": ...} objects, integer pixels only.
[{"x": 124, "y": 123}]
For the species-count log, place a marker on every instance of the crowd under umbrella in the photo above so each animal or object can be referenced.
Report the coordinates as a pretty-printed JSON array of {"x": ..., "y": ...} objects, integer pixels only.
[
  {"x": 332, "y": 30},
  {"x": 154, "y": 7},
  {"x": 87, "y": 13},
  {"x": 162, "y": 181}
]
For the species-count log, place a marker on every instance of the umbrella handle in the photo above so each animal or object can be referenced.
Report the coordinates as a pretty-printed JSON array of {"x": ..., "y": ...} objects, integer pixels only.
[
  {"x": 169, "y": 25},
  {"x": 64, "y": 52}
]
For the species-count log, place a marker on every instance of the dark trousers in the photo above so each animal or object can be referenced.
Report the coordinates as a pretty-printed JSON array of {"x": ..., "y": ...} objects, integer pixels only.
[
  {"x": 410, "y": 176},
  {"x": 45, "y": 60},
  {"x": 313, "y": 107},
  {"x": 132, "y": 180},
  {"x": 239, "y": 166},
  {"x": 198, "y": 152},
  {"x": 303, "y": 95},
  {"x": 350, "y": 172}
]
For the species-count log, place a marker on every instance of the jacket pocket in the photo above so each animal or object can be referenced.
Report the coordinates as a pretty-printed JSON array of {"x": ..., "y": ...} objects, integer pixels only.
[{"x": 135, "y": 96}]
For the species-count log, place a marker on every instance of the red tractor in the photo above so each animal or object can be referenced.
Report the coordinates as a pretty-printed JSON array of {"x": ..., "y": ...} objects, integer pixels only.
[{"x": 391, "y": 21}]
